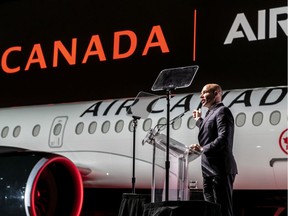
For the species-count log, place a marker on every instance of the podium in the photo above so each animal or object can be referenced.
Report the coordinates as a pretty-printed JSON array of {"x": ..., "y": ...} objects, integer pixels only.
[{"x": 179, "y": 157}]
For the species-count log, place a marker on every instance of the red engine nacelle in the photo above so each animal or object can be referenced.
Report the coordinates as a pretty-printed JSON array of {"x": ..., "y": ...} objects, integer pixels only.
[{"x": 38, "y": 184}]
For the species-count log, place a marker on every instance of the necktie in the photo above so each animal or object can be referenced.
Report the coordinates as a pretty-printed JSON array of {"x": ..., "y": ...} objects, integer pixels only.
[{"x": 207, "y": 113}]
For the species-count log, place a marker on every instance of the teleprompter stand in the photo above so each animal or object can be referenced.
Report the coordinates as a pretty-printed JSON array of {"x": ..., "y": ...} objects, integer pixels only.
[{"x": 168, "y": 80}]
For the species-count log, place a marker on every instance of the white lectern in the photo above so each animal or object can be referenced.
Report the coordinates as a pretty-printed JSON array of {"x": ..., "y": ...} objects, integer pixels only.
[{"x": 179, "y": 157}]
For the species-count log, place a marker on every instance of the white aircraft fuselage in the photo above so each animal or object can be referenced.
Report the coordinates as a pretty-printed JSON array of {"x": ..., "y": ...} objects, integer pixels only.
[{"x": 97, "y": 136}]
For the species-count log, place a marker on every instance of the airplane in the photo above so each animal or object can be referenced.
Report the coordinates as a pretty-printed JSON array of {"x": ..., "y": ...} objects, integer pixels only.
[{"x": 50, "y": 153}]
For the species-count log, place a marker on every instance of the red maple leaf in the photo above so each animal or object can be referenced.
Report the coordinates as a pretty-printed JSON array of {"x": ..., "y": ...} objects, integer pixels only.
[{"x": 285, "y": 139}]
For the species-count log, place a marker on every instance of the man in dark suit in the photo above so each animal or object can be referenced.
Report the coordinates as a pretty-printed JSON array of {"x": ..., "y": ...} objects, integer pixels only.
[{"x": 216, "y": 132}]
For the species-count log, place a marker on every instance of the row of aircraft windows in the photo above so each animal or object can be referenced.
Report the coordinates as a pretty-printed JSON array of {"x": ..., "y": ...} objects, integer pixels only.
[{"x": 240, "y": 121}]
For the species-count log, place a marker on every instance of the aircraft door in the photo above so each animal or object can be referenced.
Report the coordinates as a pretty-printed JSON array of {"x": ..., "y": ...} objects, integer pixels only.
[
  {"x": 57, "y": 132},
  {"x": 280, "y": 172}
]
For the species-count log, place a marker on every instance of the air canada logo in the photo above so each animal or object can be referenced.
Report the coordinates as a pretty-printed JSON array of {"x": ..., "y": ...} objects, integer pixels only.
[{"x": 283, "y": 141}]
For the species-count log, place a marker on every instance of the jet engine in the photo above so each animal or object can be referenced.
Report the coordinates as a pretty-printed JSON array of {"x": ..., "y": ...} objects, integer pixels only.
[{"x": 38, "y": 183}]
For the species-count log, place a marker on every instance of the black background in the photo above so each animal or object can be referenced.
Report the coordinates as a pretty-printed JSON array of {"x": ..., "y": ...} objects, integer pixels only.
[{"x": 241, "y": 64}]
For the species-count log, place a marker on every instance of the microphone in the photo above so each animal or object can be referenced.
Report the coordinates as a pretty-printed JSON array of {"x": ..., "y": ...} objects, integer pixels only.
[
  {"x": 155, "y": 131},
  {"x": 178, "y": 117},
  {"x": 150, "y": 135}
]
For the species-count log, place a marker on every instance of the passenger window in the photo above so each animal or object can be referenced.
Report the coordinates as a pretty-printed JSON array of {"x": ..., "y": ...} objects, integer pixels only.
[
  {"x": 79, "y": 128},
  {"x": 16, "y": 131},
  {"x": 191, "y": 123},
  {"x": 162, "y": 123},
  {"x": 92, "y": 127},
  {"x": 147, "y": 124},
  {"x": 177, "y": 124},
  {"x": 105, "y": 127},
  {"x": 57, "y": 129},
  {"x": 275, "y": 117},
  {"x": 119, "y": 126},
  {"x": 4, "y": 132},
  {"x": 131, "y": 126},
  {"x": 257, "y": 118},
  {"x": 240, "y": 119},
  {"x": 36, "y": 130}
]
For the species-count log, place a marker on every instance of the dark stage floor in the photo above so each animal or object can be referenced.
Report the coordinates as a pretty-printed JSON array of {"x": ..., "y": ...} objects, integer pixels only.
[{"x": 107, "y": 202}]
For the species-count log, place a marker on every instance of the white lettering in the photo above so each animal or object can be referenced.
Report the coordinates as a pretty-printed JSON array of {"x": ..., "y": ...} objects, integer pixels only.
[
  {"x": 274, "y": 12},
  {"x": 240, "y": 20},
  {"x": 261, "y": 24},
  {"x": 241, "y": 27}
]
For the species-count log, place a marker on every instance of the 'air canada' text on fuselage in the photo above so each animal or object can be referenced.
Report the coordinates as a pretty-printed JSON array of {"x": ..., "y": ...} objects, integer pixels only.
[{"x": 184, "y": 103}]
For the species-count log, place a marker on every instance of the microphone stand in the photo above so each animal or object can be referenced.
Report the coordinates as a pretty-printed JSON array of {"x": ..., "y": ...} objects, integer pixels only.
[{"x": 135, "y": 119}]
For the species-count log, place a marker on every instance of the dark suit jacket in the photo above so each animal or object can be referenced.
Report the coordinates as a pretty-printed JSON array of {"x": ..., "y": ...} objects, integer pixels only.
[{"x": 216, "y": 134}]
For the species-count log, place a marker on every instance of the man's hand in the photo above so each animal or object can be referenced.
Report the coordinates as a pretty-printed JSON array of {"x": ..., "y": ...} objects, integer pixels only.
[
  {"x": 197, "y": 114},
  {"x": 195, "y": 148}
]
